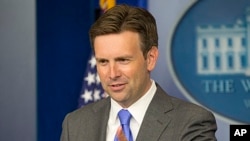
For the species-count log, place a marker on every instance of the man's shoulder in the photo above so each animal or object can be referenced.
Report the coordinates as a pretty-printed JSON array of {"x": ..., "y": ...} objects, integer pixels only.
[
  {"x": 183, "y": 106},
  {"x": 187, "y": 106},
  {"x": 91, "y": 109}
]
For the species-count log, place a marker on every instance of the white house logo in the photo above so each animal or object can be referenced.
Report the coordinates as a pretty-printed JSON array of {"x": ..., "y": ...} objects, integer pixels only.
[{"x": 209, "y": 56}]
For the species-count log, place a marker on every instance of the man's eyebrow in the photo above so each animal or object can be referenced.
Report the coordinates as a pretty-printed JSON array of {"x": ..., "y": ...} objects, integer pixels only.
[
  {"x": 124, "y": 57},
  {"x": 119, "y": 57},
  {"x": 100, "y": 59}
]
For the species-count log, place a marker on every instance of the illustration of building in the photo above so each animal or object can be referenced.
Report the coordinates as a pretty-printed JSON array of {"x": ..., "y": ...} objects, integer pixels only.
[{"x": 224, "y": 49}]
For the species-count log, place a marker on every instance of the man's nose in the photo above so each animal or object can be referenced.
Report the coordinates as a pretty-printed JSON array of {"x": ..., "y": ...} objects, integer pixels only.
[{"x": 114, "y": 71}]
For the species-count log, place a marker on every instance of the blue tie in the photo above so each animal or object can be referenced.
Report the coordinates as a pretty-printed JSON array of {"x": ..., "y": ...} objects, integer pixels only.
[{"x": 125, "y": 117}]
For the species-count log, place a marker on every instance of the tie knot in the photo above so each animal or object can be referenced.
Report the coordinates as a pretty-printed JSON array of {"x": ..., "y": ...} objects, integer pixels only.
[{"x": 124, "y": 117}]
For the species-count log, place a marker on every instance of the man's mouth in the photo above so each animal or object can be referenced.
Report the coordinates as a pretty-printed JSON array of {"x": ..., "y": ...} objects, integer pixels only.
[{"x": 117, "y": 87}]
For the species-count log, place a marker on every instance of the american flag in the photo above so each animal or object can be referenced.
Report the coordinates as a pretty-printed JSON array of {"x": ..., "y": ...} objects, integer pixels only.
[{"x": 92, "y": 89}]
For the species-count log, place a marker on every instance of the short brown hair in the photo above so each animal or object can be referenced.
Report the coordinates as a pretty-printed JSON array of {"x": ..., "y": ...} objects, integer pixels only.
[{"x": 127, "y": 18}]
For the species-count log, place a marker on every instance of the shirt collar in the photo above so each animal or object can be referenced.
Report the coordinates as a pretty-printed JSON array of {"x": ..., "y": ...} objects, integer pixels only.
[{"x": 138, "y": 109}]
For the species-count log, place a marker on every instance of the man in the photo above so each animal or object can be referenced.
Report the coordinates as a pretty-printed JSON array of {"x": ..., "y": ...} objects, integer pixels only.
[{"x": 125, "y": 44}]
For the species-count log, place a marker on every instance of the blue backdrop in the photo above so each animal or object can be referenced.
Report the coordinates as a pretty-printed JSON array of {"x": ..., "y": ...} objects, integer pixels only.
[{"x": 62, "y": 51}]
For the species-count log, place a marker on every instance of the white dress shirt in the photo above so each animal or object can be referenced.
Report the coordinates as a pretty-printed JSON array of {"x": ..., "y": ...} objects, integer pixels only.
[{"x": 137, "y": 110}]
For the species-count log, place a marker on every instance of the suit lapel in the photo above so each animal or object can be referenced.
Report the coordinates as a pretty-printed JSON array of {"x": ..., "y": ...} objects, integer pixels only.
[
  {"x": 156, "y": 117},
  {"x": 101, "y": 119}
]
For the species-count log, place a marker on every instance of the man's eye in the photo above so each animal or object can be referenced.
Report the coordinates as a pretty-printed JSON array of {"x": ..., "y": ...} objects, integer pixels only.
[
  {"x": 124, "y": 61},
  {"x": 102, "y": 62}
]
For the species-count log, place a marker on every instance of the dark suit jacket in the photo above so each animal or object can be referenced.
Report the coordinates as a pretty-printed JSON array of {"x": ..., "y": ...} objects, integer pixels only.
[{"x": 166, "y": 119}]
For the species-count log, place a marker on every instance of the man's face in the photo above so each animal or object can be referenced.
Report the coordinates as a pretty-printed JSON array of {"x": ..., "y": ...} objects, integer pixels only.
[{"x": 123, "y": 70}]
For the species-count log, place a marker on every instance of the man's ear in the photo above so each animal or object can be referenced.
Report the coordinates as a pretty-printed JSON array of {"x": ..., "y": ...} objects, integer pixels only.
[{"x": 152, "y": 57}]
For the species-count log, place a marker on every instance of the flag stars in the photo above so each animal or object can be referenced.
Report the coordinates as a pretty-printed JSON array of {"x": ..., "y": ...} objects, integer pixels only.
[
  {"x": 90, "y": 78},
  {"x": 87, "y": 96},
  {"x": 97, "y": 94},
  {"x": 92, "y": 90},
  {"x": 97, "y": 79},
  {"x": 92, "y": 62}
]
